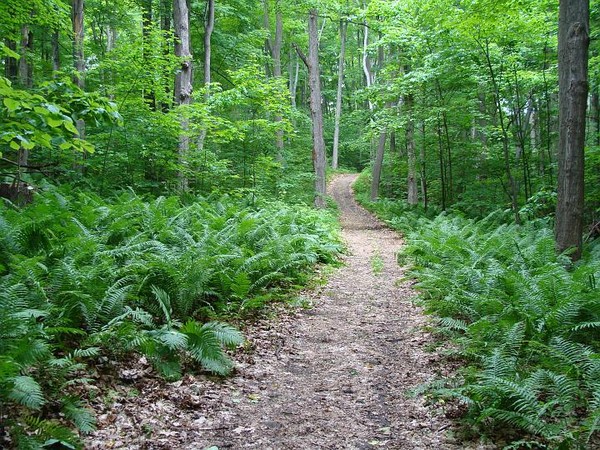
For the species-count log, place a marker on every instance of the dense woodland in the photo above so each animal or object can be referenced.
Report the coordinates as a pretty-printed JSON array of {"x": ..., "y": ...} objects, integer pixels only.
[{"x": 160, "y": 160}]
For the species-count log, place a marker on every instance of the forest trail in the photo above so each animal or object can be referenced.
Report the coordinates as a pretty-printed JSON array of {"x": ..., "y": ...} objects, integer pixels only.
[{"x": 331, "y": 377}]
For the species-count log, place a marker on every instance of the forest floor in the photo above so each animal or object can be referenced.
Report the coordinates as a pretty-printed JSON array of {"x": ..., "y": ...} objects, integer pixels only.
[{"x": 333, "y": 376}]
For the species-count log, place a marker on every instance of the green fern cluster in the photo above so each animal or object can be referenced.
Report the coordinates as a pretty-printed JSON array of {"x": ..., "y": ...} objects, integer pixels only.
[
  {"x": 525, "y": 321},
  {"x": 80, "y": 276},
  {"x": 528, "y": 323}
]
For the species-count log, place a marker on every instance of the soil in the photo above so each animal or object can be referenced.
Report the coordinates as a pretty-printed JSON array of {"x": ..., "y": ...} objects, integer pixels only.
[{"x": 336, "y": 375}]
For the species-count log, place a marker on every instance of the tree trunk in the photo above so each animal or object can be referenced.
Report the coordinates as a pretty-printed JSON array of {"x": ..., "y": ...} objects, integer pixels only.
[
  {"x": 55, "y": 51},
  {"x": 208, "y": 30},
  {"x": 26, "y": 47},
  {"x": 293, "y": 73},
  {"x": 165, "y": 27},
  {"x": 149, "y": 96},
  {"x": 377, "y": 165},
  {"x": 316, "y": 111},
  {"x": 11, "y": 65},
  {"x": 338, "y": 102},
  {"x": 78, "y": 58},
  {"x": 422, "y": 166},
  {"x": 573, "y": 42},
  {"x": 183, "y": 83},
  {"x": 413, "y": 197},
  {"x": 277, "y": 44}
]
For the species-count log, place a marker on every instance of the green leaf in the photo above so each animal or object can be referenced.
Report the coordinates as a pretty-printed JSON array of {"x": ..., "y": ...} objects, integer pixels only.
[
  {"x": 70, "y": 127},
  {"x": 11, "y": 104},
  {"x": 55, "y": 122}
]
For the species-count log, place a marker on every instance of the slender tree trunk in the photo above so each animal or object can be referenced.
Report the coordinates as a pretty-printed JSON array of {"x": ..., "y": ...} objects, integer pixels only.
[
  {"x": 513, "y": 192},
  {"x": 183, "y": 83},
  {"x": 422, "y": 166},
  {"x": 573, "y": 43},
  {"x": 293, "y": 70},
  {"x": 149, "y": 95},
  {"x": 165, "y": 26},
  {"x": 277, "y": 45},
  {"x": 413, "y": 197},
  {"x": 377, "y": 165},
  {"x": 26, "y": 47},
  {"x": 316, "y": 111},
  {"x": 78, "y": 58},
  {"x": 55, "y": 51},
  {"x": 11, "y": 65},
  {"x": 208, "y": 30},
  {"x": 340, "y": 86}
]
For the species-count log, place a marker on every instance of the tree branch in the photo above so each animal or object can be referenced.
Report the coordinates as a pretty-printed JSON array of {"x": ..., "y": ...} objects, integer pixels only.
[{"x": 301, "y": 55}]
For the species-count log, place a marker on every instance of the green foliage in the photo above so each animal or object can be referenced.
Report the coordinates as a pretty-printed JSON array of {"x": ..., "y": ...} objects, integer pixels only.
[
  {"x": 523, "y": 320},
  {"x": 81, "y": 276}
]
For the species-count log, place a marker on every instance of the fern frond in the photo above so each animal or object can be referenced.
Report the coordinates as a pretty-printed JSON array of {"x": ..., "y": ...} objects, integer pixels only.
[{"x": 27, "y": 392}]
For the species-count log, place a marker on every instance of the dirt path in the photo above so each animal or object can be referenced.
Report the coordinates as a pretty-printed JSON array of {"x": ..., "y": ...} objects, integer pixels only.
[{"x": 332, "y": 377}]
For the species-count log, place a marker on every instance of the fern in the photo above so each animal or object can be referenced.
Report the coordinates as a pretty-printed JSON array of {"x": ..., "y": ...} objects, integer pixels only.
[{"x": 26, "y": 391}]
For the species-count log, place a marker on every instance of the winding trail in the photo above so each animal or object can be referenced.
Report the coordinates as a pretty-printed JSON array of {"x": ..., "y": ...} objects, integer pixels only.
[{"x": 331, "y": 377}]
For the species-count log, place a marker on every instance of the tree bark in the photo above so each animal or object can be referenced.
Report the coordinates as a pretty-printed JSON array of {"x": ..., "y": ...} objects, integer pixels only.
[
  {"x": 78, "y": 58},
  {"x": 377, "y": 165},
  {"x": 149, "y": 95},
  {"x": 573, "y": 43},
  {"x": 340, "y": 86},
  {"x": 183, "y": 83},
  {"x": 55, "y": 51},
  {"x": 413, "y": 197},
  {"x": 208, "y": 30},
  {"x": 276, "y": 48},
  {"x": 316, "y": 111},
  {"x": 26, "y": 47}
]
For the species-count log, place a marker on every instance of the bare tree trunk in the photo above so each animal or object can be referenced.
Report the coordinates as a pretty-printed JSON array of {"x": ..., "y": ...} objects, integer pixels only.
[
  {"x": 277, "y": 44},
  {"x": 165, "y": 27},
  {"x": 316, "y": 111},
  {"x": 78, "y": 57},
  {"x": 413, "y": 197},
  {"x": 208, "y": 30},
  {"x": 367, "y": 66},
  {"x": 55, "y": 51},
  {"x": 573, "y": 43},
  {"x": 422, "y": 167},
  {"x": 148, "y": 94},
  {"x": 11, "y": 65},
  {"x": 183, "y": 83},
  {"x": 377, "y": 165},
  {"x": 340, "y": 86},
  {"x": 24, "y": 67},
  {"x": 293, "y": 73}
]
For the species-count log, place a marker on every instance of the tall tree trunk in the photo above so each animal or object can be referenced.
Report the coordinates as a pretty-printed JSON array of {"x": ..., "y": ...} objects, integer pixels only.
[
  {"x": 26, "y": 47},
  {"x": 78, "y": 58},
  {"x": 573, "y": 43},
  {"x": 277, "y": 44},
  {"x": 11, "y": 65},
  {"x": 294, "y": 70},
  {"x": 165, "y": 27},
  {"x": 208, "y": 30},
  {"x": 149, "y": 95},
  {"x": 55, "y": 51},
  {"x": 422, "y": 166},
  {"x": 316, "y": 111},
  {"x": 183, "y": 83},
  {"x": 340, "y": 86},
  {"x": 377, "y": 165},
  {"x": 413, "y": 197}
]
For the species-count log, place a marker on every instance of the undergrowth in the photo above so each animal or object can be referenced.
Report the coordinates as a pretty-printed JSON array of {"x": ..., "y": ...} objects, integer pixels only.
[
  {"x": 524, "y": 321},
  {"x": 82, "y": 277}
]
